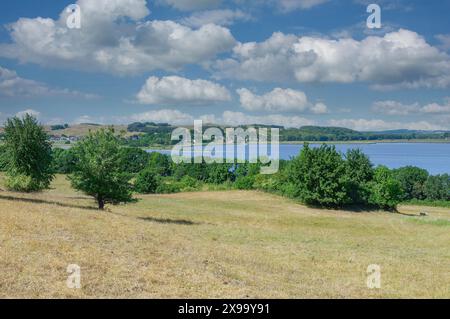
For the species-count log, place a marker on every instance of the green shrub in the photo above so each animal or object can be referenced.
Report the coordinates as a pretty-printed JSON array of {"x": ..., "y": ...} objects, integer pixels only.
[
  {"x": 167, "y": 187},
  {"x": 244, "y": 182},
  {"x": 413, "y": 181},
  {"x": 319, "y": 176},
  {"x": 63, "y": 161},
  {"x": 218, "y": 173},
  {"x": 227, "y": 186},
  {"x": 264, "y": 183},
  {"x": 196, "y": 171},
  {"x": 246, "y": 169},
  {"x": 359, "y": 172},
  {"x": 437, "y": 187},
  {"x": 385, "y": 191},
  {"x": 22, "y": 183},
  {"x": 160, "y": 164},
  {"x": 289, "y": 190},
  {"x": 3, "y": 158},
  {"x": 133, "y": 160},
  {"x": 188, "y": 184},
  {"x": 146, "y": 182},
  {"x": 29, "y": 154}
]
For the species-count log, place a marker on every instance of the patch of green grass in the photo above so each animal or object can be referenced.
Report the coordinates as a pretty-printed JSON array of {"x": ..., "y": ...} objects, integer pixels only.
[
  {"x": 434, "y": 222},
  {"x": 430, "y": 203}
]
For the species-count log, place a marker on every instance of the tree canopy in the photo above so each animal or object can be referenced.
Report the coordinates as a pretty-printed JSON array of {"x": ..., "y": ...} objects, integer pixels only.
[
  {"x": 28, "y": 155},
  {"x": 98, "y": 171}
]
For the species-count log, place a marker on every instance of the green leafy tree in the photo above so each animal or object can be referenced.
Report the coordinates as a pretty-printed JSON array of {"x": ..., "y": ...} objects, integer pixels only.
[
  {"x": 188, "y": 184},
  {"x": 133, "y": 159},
  {"x": 64, "y": 161},
  {"x": 318, "y": 177},
  {"x": 147, "y": 182},
  {"x": 244, "y": 175},
  {"x": 98, "y": 171},
  {"x": 437, "y": 187},
  {"x": 359, "y": 171},
  {"x": 28, "y": 155},
  {"x": 3, "y": 158},
  {"x": 199, "y": 171},
  {"x": 385, "y": 191},
  {"x": 412, "y": 180},
  {"x": 218, "y": 173},
  {"x": 160, "y": 163}
]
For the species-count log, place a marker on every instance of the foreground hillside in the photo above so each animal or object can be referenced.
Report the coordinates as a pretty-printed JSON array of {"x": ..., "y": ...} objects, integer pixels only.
[{"x": 217, "y": 244}]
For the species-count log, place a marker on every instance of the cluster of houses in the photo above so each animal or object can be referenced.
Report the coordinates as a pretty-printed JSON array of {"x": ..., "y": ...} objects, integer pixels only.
[
  {"x": 134, "y": 138},
  {"x": 64, "y": 139}
]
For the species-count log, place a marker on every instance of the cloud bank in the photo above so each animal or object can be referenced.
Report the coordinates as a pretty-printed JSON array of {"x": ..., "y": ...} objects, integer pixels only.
[
  {"x": 401, "y": 59},
  {"x": 279, "y": 100},
  {"x": 114, "y": 40},
  {"x": 12, "y": 85}
]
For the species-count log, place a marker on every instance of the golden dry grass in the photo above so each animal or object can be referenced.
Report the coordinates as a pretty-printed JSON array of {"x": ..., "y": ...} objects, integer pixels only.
[{"x": 216, "y": 244}]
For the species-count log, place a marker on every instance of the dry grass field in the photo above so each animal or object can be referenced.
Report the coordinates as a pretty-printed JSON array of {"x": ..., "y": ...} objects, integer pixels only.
[{"x": 216, "y": 244}]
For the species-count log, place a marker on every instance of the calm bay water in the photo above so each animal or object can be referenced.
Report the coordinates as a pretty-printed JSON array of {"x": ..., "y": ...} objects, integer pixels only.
[{"x": 434, "y": 157}]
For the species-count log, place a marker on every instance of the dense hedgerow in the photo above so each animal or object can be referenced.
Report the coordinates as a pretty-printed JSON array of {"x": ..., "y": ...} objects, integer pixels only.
[{"x": 102, "y": 168}]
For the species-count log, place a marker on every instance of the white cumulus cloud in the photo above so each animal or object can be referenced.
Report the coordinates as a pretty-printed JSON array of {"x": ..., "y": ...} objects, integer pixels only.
[
  {"x": 108, "y": 43},
  {"x": 224, "y": 17},
  {"x": 31, "y": 112},
  {"x": 401, "y": 59},
  {"x": 238, "y": 118},
  {"x": 229, "y": 118},
  {"x": 172, "y": 90},
  {"x": 190, "y": 5},
  {"x": 174, "y": 117},
  {"x": 398, "y": 108},
  {"x": 12, "y": 85},
  {"x": 445, "y": 41},
  {"x": 279, "y": 100},
  {"x": 380, "y": 125},
  {"x": 233, "y": 119},
  {"x": 291, "y": 5}
]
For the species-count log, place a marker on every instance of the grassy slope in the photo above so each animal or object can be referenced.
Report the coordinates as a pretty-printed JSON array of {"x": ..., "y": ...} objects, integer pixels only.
[{"x": 216, "y": 244}]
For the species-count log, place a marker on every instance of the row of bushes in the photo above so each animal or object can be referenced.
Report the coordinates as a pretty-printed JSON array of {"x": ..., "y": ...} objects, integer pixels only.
[
  {"x": 100, "y": 167},
  {"x": 322, "y": 176},
  {"x": 318, "y": 176},
  {"x": 159, "y": 170}
]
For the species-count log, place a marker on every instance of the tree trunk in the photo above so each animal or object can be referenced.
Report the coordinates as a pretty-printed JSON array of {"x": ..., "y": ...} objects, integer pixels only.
[{"x": 101, "y": 203}]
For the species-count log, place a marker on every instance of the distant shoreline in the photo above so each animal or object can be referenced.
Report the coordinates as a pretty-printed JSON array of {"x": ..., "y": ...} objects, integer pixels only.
[
  {"x": 168, "y": 148},
  {"x": 419, "y": 141},
  {"x": 431, "y": 141}
]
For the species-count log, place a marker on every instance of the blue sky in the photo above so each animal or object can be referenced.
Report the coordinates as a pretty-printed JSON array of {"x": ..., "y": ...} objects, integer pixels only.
[{"x": 286, "y": 62}]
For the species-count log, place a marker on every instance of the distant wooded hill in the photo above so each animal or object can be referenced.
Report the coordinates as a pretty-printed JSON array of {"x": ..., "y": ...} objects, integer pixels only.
[
  {"x": 147, "y": 134},
  {"x": 159, "y": 133}
]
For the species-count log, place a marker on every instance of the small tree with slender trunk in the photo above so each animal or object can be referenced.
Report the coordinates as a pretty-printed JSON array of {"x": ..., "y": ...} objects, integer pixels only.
[
  {"x": 27, "y": 155},
  {"x": 98, "y": 170}
]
